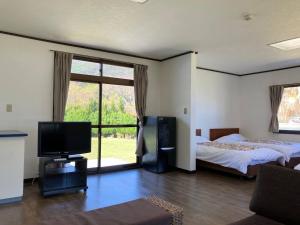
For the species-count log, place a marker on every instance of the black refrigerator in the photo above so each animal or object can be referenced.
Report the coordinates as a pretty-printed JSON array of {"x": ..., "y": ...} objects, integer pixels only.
[{"x": 159, "y": 143}]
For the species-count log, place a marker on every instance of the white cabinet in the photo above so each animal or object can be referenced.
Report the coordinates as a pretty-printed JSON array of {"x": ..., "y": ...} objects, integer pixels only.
[{"x": 12, "y": 144}]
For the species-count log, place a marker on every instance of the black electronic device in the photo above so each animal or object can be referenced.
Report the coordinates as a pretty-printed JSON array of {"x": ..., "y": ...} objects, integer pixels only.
[{"x": 61, "y": 139}]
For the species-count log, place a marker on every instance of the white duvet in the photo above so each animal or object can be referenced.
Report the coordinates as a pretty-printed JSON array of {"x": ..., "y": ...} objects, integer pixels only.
[
  {"x": 239, "y": 160},
  {"x": 289, "y": 151}
]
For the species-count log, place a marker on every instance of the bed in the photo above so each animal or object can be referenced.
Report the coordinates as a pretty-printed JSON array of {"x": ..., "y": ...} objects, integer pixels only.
[
  {"x": 290, "y": 150},
  {"x": 234, "y": 158}
]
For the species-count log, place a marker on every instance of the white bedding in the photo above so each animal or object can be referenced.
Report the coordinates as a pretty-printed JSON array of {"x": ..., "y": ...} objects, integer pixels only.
[
  {"x": 289, "y": 151},
  {"x": 239, "y": 160}
]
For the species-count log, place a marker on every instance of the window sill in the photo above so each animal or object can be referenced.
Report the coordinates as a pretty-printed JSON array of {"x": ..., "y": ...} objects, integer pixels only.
[{"x": 289, "y": 132}]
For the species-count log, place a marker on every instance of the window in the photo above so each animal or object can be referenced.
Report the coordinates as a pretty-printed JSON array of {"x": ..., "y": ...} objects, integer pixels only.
[
  {"x": 289, "y": 110},
  {"x": 85, "y": 67},
  {"x": 117, "y": 71},
  {"x": 102, "y": 92}
]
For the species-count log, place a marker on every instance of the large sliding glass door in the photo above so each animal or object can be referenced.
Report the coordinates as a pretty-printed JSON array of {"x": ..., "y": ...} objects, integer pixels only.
[
  {"x": 103, "y": 94},
  {"x": 118, "y": 125}
]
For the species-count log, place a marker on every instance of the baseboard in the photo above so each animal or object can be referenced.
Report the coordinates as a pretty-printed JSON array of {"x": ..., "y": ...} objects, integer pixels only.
[
  {"x": 10, "y": 200},
  {"x": 186, "y": 171}
]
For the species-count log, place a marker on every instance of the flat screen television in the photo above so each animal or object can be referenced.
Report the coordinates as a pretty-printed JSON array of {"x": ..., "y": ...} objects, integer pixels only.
[{"x": 63, "y": 138}]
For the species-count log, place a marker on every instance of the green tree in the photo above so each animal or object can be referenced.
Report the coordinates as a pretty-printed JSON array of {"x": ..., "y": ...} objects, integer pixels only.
[{"x": 113, "y": 112}]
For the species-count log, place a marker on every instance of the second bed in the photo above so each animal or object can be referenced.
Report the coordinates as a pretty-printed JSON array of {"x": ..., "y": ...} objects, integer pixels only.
[{"x": 236, "y": 158}]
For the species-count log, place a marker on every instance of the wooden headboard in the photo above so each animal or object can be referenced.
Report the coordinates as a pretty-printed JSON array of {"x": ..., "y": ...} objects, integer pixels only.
[{"x": 220, "y": 132}]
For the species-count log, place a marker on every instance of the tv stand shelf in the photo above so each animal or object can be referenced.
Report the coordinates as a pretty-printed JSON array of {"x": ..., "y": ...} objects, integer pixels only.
[{"x": 62, "y": 176}]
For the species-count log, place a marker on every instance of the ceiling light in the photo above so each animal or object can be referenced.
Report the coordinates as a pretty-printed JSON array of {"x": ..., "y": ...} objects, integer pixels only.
[
  {"x": 288, "y": 44},
  {"x": 139, "y": 1}
]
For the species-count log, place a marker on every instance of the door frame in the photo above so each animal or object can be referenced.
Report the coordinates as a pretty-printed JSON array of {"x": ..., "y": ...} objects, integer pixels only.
[{"x": 100, "y": 80}]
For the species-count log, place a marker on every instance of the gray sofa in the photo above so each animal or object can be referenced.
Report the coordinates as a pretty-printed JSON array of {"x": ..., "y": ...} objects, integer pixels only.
[{"x": 276, "y": 199}]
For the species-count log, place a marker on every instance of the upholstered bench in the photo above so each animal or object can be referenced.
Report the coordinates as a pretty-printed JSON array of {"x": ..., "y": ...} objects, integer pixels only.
[{"x": 151, "y": 211}]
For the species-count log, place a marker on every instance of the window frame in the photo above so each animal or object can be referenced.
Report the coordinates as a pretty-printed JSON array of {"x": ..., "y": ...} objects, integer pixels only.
[
  {"x": 289, "y": 131},
  {"x": 100, "y": 80}
]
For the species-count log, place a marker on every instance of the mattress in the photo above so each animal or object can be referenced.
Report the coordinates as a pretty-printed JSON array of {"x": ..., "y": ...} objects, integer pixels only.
[{"x": 236, "y": 159}]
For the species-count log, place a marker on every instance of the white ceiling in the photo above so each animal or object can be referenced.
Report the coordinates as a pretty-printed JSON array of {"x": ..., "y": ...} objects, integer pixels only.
[{"x": 161, "y": 28}]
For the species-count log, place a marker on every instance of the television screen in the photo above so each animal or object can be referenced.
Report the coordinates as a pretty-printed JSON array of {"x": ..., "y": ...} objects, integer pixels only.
[{"x": 64, "y": 138}]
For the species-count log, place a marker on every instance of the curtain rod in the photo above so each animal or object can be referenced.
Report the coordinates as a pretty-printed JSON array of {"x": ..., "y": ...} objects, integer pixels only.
[
  {"x": 98, "y": 58},
  {"x": 291, "y": 85},
  {"x": 286, "y": 85}
]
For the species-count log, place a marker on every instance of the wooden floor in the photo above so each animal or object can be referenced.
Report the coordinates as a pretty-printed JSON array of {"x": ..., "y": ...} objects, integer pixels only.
[{"x": 208, "y": 198}]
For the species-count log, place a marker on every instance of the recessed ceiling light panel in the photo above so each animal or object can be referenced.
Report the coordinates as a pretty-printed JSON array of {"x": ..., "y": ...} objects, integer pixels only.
[
  {"x": 139, "y": 1},
  {"x": 288, "y": 44}
]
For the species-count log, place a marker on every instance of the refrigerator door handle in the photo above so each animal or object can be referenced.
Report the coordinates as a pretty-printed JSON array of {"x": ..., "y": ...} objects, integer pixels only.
[{"x": 167, "y": 148}]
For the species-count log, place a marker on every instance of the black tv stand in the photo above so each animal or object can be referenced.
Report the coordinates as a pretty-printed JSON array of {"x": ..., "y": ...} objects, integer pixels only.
[{"x": 62, "y": 175}]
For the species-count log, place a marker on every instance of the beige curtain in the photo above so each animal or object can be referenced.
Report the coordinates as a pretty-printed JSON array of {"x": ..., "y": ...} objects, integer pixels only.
[
  {"x": 62, "y": 74},
  {"x": 275, "y": 98},
  {"x": 140, "y": 92}
]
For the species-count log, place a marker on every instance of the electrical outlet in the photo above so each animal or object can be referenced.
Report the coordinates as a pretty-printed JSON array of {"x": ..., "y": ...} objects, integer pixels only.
[
  {"x": 185, "y": 111},
  {"x": 198, "y": 132},
  {"x": 8, "y": 107}
]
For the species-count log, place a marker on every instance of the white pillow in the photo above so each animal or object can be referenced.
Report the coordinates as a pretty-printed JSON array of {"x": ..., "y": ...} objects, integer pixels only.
[
  {"x": 231, "y": 138},
  {"x": 201, "y": 139}
]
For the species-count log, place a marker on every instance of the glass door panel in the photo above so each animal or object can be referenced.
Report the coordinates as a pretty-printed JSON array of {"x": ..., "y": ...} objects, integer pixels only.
[
  {"x": 119, "y": 126},
  {"x": 118, "y": 146},
  {"x": 118, "y": 105},
  {"x": 83, "y": 102},
  {"x": 94, "y": 154},
  {"x": 110, "y": 108},
  {"x": 83, "y": 105}
]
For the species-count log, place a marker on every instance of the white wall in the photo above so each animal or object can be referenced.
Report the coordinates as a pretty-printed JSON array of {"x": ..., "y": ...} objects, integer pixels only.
[
  {"x": 26, "y": 83},
  {"x": 214, "y": 104},
  {"x": 212, "y": 100},
  {"x": 193, "y": 112},
  {"x": 215, "y": 101},
  {"x": 220, "y": 100},
  {"x": 175, "y": 96},
  {"x": 255, "y": 102}
]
